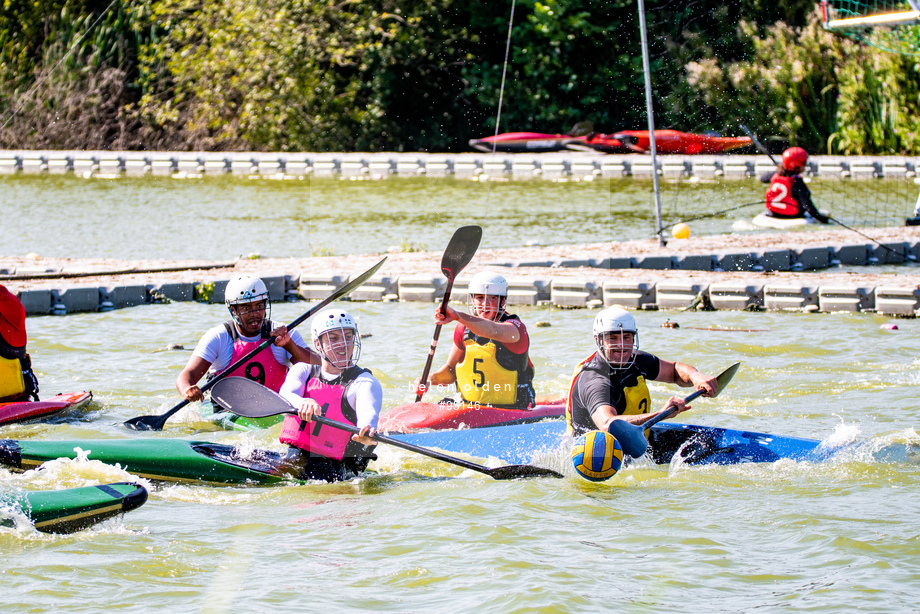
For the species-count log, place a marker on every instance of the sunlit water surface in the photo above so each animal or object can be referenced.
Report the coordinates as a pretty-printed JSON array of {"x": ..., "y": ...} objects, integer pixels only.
[
  {"x": 417, "y": 535},
  {"x": 225, "y": 217}
]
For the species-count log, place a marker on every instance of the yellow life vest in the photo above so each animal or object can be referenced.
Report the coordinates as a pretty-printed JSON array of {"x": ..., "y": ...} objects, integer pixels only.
[
  {"x": 12, "y": 383},
  {"x": 638, "y": 398},
  {"x": 481, "y": 379}
]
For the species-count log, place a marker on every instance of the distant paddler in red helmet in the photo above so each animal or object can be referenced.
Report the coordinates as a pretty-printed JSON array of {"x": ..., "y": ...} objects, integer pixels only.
[
  {"x": 489, "y": 358},
  {"x": 250, "y": 324},
  {"x": 788, "y": 196}
]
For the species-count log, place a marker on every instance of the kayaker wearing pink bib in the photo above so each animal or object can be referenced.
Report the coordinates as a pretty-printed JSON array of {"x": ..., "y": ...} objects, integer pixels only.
[
  {"x": 339, "y": 390},
  {"x": 247, "y": 300}
]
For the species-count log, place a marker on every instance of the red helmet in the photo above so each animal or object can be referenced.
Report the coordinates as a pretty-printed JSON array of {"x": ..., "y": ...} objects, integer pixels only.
[{"x": 794, "y": 158}]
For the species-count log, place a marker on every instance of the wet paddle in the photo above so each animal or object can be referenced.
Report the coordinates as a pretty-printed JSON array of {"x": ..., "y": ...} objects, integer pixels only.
[
  {"x": 156, "y": 423},
  {"x": 632, "y": 436},
  {"x": 458, "y": 254},
  {"x": 248, "y": 398}
]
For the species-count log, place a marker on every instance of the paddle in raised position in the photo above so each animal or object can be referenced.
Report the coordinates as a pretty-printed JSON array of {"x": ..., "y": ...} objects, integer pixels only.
[
  {"x": 632, "y": 436},
  {"x": 459, "y": 252},
  {"x": 248, "y": 398},
  {"x": 156, "y": 422}
]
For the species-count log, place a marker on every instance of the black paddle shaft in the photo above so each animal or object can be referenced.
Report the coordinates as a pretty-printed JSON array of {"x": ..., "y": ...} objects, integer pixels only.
[
  {"x": 507, "y": 472},
  {"x": 156, "y": 423},
  {"x": 248, "y": 398},
  {"x": 459, "y": 252}
]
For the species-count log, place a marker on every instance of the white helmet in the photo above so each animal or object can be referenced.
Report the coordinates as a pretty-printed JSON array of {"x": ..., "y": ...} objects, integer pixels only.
[
  {"x": 489, "y": 284},
  {"x": 336, "y": 320},
  {"x": 246, "y": 289},
  {"x": 615, "y": 320}
]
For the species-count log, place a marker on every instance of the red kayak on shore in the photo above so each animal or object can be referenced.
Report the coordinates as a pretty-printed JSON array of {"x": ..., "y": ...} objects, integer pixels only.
[
  {"x": 22, "y": 411},
  {"x": 533, "y": 142},
  {"x": 675, "y": 142},
  {"x": 440, "y": 416}
]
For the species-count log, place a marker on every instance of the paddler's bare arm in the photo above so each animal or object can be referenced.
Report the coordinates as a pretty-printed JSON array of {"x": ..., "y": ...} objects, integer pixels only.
[
  {"x": 505, "y": 332},
  {"x": 685, "y": 375},
  {"x": 298, "y": 354},
  {"x": 447, "y": 374},
  {"x": 187, "y": 382}
]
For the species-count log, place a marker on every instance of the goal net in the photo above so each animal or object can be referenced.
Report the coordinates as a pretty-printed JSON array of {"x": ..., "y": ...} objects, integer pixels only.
[{"x": 893, "y": 25}]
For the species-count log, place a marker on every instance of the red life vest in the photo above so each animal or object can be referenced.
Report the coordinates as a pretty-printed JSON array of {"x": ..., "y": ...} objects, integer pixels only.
[
  {"x": 317, "y": 438},
  {"x": 263, "y": 367},
  {"x": 779, "y": 197}
]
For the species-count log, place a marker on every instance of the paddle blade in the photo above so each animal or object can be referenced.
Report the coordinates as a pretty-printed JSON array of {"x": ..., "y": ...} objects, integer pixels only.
[
  {"x": 725, "y": 377},
  {"x": 511, "y": 472},
  {"x": 245, "y": 397},
  {"x": 582, "y": 129},
  {"x": 460, "y": 250},
  {"x": 631, "y": 437}
]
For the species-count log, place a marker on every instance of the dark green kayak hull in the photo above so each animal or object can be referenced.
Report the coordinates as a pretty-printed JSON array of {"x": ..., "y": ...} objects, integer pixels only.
[
  {"x": 170, "y": 460},
  {"x": 74, "y": 509}
]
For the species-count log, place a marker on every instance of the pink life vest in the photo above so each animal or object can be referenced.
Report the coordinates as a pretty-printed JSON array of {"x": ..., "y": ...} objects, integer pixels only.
[
  {"x": 317, "y": 438},
  {"x": 779, "y": 197},
  {"x": 263, "y": 367}
]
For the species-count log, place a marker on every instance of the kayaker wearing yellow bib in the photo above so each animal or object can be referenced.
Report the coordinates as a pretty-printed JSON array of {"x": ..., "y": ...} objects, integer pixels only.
[
  {"x": 489, "y": 359},
  {"x": 611, "y": 383},
  {"x": 17, "y": 382}
]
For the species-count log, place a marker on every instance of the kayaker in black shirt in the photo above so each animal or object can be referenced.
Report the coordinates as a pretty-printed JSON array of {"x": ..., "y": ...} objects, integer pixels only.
[{"x": 611, "y": 383}]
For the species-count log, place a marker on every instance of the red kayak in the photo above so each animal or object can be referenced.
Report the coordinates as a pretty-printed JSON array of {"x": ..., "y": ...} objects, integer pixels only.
[
  {"x": 438, "y": 416},
  {"x": 674, "y": 142},
  {"x": 33, "y": 410},
  {"x": 533, "y": 142},
  {"x": 600, "y": 142}
]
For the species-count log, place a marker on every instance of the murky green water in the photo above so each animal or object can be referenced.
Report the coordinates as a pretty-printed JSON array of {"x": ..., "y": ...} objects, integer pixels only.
[
  {"x": 421, "y": 536},
  {"x": 224, "y": 217}
]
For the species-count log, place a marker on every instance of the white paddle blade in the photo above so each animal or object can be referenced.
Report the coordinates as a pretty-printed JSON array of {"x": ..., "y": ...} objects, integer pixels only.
[{"x": 245, "y": 397}]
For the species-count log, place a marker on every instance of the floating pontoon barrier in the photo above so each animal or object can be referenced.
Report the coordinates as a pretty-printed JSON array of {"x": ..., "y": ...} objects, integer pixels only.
[{"x": 563, "y": 293}]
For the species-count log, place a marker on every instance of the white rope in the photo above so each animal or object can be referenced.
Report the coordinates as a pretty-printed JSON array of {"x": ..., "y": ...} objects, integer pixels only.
[{"x": 501, "y": 96}]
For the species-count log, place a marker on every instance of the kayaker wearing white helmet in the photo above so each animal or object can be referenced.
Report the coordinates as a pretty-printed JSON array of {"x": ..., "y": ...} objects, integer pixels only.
[
  {"x": 489, "y": 359},
  {"x": 339, "y": 390},
  {"x": 246, "y": 298},
  {"x": 611, "y": 383}
]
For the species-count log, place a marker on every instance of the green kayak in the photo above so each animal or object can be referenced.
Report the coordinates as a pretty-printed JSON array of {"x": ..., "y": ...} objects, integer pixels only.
[
  {"x": 170, "y": 460},
  {"x": 73, "y": 509}
]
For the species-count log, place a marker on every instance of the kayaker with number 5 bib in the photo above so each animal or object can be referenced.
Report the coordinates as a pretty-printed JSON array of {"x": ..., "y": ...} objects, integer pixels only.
[
  {"x": 247, "y": 300},
  {"x": 788, "y": 196},
  {"x": 611, "y": 383},
  {"x": 339, "y": 390},
  {"x": 17, "y": 381},
  {"x": 489, "y": 359}
]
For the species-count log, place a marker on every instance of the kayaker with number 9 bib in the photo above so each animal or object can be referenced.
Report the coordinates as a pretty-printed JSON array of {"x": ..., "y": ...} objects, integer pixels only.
[
  {"x": 788, "y": 196},
  {"x": 611, "y": 383},
  {"x": 489, "y": 359},
  {"x": 339, "y": 390},
  {"x": 247, "y": 300},
  {"x": 17, "y": 381}
]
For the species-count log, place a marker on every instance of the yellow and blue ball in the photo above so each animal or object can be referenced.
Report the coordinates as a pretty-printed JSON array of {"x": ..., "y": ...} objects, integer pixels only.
[{"x": 597, "y": 456}]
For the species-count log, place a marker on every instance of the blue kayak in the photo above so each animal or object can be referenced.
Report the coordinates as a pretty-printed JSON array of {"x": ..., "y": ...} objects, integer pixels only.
[{"x": 697, "y": 445}]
